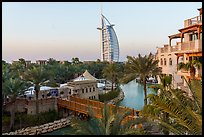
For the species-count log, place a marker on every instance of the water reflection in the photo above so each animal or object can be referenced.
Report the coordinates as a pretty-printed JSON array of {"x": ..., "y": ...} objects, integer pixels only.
[{"x": 134, "y": 95}]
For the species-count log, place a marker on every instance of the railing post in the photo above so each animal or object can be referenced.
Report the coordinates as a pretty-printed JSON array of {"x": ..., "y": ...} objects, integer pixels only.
[
  {"x": 199, "y": 30},
  {"x": 196, "y": 19}
]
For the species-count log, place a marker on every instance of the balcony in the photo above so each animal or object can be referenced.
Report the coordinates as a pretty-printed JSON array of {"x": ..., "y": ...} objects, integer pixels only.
[
  {"x": 174, "y": 48},
  {"x": 193, "y": 21},
  {"x": 191, "y": 46},
  {"x": 186, "y": 73},
  {"x": 183, "y": 72}
]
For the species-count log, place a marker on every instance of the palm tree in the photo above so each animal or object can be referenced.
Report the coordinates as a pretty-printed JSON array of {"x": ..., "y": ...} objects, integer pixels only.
[
  {"x": 58, "y": 72},
  {"x": 37, "y": 76},
  {"x": 19, "y": 67},
  {"x": 111, "y": 73},
  {"x": 184, "y": 112},
  {"x": 109, "y": 124},
  {"x": 6, "y": 74},
  {"x": 76, "y": 61},
  {"x": 166, "y": 84},
  {"x": 141, "y": 67},
  {"x": 52, "y": 61},
  {"x": 165, "y": 80},
  {"x": 13, "y": 87},
  {"x": 22, "y": 62},
  {"x": 191, "y": 66},
  {"x": 97, "y": 68}
]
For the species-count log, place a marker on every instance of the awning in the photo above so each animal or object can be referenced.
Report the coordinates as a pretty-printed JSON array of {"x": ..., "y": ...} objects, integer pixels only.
[{"x": 178, "y": 35}]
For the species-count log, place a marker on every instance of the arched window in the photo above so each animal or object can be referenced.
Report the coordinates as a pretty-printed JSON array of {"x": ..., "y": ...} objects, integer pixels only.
[
  {"x": 164, "y": 61},
  {"x": 170, "y": 61},
  {"x": 161, "y": 62}
]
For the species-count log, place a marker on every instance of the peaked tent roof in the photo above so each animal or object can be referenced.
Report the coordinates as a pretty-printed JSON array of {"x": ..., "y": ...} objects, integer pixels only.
[{"x": 85, "y": 76}]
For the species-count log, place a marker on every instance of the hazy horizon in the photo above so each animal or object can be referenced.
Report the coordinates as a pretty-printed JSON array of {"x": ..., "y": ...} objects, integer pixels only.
[{"x": 63, "y": 30}]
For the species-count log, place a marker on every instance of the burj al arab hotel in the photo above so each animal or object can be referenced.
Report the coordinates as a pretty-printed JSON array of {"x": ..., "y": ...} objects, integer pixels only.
[{"x": 109, "y": 41}]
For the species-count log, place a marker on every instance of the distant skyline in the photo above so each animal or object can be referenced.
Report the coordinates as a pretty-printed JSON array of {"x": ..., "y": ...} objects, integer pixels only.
[{"x": 63, "y": 30}]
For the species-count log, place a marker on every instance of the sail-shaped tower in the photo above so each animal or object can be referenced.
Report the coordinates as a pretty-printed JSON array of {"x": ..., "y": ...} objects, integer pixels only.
[{"x": 109, "y": 41}]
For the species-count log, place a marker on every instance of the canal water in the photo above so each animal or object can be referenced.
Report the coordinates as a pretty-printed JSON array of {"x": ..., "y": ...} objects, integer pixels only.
[
  {"x": 134, "y": 98},
  {"x": 134, "y": 95}
]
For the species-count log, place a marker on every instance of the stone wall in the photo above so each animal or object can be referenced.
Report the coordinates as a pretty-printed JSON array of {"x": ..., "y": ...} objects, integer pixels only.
[
  {"x": 20, "y": 105},
  {"x": 45, "y": 128},
  {"x": 29, "y": 106},
  {"x": 44, "y": 105}
]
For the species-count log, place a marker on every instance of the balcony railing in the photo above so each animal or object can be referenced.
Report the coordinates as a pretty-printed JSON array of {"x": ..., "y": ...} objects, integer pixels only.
[
  {"x": 186, "y": 46},
  {"x": 174, "y": 48},
  {"x": 185, "y": 71},
  {"x": 195, "y": 45},
  {"x": 193, "y": 21}
]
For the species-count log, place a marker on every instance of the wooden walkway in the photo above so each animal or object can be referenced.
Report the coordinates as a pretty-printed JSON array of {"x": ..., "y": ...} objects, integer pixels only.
[{"x": 82, "y": 105}]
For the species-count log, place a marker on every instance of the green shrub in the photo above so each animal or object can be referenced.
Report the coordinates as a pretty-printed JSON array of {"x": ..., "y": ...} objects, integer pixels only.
[
  {"x": 41, "y": 118},
  {"x": 5, "y": 120},
  {"x": 109, "y": 96}
]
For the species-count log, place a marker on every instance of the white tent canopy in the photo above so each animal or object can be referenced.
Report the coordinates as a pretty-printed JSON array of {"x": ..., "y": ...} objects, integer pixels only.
[
  {"x": 62, "y": 85},
  {"x": 31, "y": 90},
  {"x": 85, "y": 76}
]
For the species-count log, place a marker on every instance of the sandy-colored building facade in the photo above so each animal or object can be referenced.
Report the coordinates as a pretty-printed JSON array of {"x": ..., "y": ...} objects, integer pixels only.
[
  {"x": 84, "y": 86},
  {"x": 187, "y": 49},
  {"x": 41, "y": 62}
]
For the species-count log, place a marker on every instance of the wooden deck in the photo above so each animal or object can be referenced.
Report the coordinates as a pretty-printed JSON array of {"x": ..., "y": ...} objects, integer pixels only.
[{"x": 82, "y": 105}]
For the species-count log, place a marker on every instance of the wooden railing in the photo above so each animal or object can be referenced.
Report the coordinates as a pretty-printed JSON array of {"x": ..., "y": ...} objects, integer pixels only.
[
  {"x": 87, "y": 102},
  {"x": 174, "y": 48},
  {"x": 192, "y": 21},
  {"x": 82, "y": 105},
  {"x": 192, "y": 45}
]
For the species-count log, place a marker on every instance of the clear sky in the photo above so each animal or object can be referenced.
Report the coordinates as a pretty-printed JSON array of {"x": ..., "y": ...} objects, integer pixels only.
[{"x": 42, "y": 30}]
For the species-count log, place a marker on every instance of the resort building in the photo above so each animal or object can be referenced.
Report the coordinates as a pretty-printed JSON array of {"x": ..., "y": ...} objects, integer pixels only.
[
  {"x": 109, "y": 41},
  {"x": 27, "y": 62},
  {"x": 168, "y": 62},
  {"x": 84, "y": 86},
  {"x": 41, "y": 62},
  {"x": 187, "y": 49}
]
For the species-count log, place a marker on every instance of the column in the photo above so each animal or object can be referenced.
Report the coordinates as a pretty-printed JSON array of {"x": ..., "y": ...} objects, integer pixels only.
[
  {"x": 169, "y": 41},
  {"x": 181, "y": 37},
  {"x": 177, "y": 58},
  {"x": 198, "y": 29}
]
